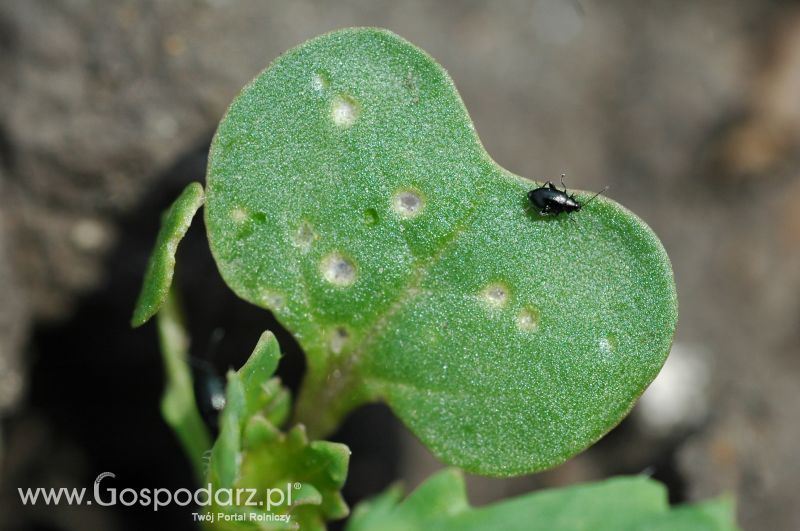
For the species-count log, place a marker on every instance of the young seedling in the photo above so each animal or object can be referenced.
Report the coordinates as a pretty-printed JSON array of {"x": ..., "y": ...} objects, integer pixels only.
[{"x": 348, "y": 194}]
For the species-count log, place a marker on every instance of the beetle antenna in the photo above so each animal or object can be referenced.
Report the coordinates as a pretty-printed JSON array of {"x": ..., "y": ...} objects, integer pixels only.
[{"x": 594, "y": 196}]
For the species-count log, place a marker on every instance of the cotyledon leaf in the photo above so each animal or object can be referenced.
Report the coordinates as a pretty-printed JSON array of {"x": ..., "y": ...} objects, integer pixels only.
[
  {"x": 348, "y": 193},
  {"x": 161, "y": 267},
  {"x": 635, "y": 503}
]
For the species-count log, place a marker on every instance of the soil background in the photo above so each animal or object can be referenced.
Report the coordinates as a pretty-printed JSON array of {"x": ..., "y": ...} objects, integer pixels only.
[{"x": 690, "y": 112}]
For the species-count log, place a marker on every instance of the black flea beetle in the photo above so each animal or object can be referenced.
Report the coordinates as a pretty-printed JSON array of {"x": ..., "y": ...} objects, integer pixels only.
[{"x": 551, "y": 201}]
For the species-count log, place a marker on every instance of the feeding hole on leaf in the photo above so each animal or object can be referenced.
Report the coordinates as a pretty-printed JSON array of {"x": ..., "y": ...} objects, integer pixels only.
[
  {"x": 344, "y": 111},
  {"x": 407, "y": 203},
  {"x": 338, "y": 338},
  {"x": 608, "y": 344},
  {"x": 304, "y": 236},
  {"x": 274, "y": 301},
  {"x": 338, "y": 270},
  {"x": 495, "y": 294},
  {"x": 239, "y": 215},
  {"x": 371, "y": 217},
  {"x": 320, "y": 81},
  {"x": 528, "y": 319}
]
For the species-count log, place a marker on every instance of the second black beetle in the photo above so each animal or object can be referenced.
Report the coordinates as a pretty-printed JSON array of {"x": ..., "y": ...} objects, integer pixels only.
[{"x": 551, "y": 201}]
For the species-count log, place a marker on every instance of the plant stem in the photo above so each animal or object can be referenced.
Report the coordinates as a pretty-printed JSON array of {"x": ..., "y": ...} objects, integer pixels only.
[
  {"x": 326, "y": 396},
  {"x": 178, "y": 404}
]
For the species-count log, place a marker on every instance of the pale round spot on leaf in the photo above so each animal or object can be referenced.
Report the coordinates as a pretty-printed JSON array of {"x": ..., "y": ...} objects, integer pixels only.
[
  {"x": 338, "y": 270},
  {"x": 344, "y": 111},
  {"x": 304, "y": 236},
  {"x": 338, "y": 339},
  {"x": 239, "y": 215},
  {"x": 407, "y": 203},
  {"x": 320, "y": 81},
  {"x": 495, "y": 294},
  {"x": 608, "y": 344},
  {"x": 528, "y": 319},
  {"x": 273, "y": 300}
]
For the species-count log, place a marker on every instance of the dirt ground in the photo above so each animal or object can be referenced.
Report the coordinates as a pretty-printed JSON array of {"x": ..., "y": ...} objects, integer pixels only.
[{"x": 689, "y": 111}]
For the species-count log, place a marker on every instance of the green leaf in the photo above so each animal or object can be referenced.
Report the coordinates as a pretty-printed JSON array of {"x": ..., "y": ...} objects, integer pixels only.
[
  {"x": 226, "y": 453},
  {"x": 619, "y": 504},
  {"x": 716, "y": 515},
  {"x": 290, "y": 458},
  {"x": 349, "y": 194},
  {"x": 252, "y": 453},
  {"x": 263, "y": 393},
  {"x": 158, "y": 276}
]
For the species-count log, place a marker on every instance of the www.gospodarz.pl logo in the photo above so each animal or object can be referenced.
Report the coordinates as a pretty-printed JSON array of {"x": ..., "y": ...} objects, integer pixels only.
[{"x": 264, "y": 500}]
